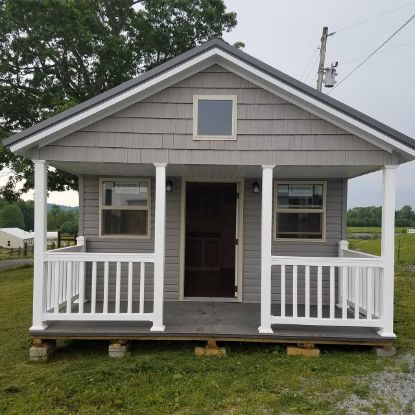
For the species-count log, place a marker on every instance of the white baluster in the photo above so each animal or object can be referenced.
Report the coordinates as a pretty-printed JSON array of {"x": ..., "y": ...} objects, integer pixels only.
[
  {"x": 345, "y": 285},
  {"x": 282, "y": 290},
  {"x": 81, "y": 287},
  {"x": 307, "y": 291},
  {"x": 130, "y": 288},
  {"x": 69, "y": 288},
  {"x": 57, "y": 287},
  {"x": 356, "y": 293},
  {"x": 369, "y": 307},
  {"x": 295, "y": 304},
  {"x": 332, "y": 293},
  {"x": 118, "y": 288},
  {"x": 142, "y": 271},
  {"x": 105, "y": 305},
  {"x": 94, "y": 288},
  {"x": 319, "y": 292}
]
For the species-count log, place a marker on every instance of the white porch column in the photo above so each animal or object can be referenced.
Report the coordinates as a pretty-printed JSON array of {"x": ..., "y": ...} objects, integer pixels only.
[
  {"x": 266, "y": 240},
  {"x": 159, "y": 246},
  {"x": 388, "y": 248},
  {"x": 40, "y": 241}
]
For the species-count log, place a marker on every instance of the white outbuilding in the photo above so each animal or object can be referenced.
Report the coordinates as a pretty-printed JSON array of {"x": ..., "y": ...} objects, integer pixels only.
[{"x": 15, "y": 238}]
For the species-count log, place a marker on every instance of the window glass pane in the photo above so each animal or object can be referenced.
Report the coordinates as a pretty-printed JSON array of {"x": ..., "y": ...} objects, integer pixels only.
[
  {"x": 300, "y": 196},
  {"x": 300, "y": 225},
  {"x": 125, "y": 193},
  {"x": 214, "y": 117},
  {"x": 124, "y": 222}
]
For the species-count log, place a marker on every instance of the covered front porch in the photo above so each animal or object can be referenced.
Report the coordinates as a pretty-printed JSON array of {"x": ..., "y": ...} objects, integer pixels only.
[{"x": 343, "y": 298}]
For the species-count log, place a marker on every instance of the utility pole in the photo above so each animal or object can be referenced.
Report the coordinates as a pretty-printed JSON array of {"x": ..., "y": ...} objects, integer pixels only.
[{"x": 322, "y": 58}]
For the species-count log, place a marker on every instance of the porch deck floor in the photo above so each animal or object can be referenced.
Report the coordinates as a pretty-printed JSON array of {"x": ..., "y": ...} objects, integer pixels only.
[{"x": 223, "y": 321}]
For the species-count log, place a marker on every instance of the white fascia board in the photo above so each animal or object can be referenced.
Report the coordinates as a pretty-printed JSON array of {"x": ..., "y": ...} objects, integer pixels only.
[{"x": 243, "y": 69}]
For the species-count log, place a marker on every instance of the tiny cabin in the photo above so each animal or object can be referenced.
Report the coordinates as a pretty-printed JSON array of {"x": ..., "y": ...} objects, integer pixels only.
[{"x": 213, "y": 201}]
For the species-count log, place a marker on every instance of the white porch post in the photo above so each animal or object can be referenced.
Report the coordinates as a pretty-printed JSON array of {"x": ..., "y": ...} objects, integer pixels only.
[
  {"x": 159, "y": 246},
  {"x": 388, "y": 248},
  {"x": 266, "y": 239},
  {"x": 40, "y": 241}
]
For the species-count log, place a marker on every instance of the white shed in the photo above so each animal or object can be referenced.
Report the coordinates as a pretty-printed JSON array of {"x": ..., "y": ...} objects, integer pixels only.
[{"x": 15, "y": 238}]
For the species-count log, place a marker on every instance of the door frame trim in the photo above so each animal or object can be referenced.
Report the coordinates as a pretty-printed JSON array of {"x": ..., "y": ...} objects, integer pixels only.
[{"x": 238, "y": 234}]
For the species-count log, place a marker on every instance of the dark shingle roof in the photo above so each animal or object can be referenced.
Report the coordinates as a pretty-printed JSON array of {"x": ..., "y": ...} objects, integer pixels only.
[{"x": 221, "y": 44}]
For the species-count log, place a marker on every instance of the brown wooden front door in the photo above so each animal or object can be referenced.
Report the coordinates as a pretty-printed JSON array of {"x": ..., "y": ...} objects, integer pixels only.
[{"x": 210, "y": 240}]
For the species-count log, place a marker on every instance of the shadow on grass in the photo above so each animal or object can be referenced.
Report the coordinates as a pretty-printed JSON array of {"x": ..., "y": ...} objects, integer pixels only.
[{"x": 95, "y": 348}]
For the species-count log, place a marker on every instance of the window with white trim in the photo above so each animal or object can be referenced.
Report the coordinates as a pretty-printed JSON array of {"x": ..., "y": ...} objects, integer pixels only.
[
  {"x": 214, "y": 117},
  {"x": 300, "y": 210},
  {"x": 125, "y": 207}
]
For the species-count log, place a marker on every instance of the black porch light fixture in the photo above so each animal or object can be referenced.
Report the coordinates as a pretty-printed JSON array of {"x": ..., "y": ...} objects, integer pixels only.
[
  {"x": 255, "y": 188},
  {"x": 169, "y": 185}
]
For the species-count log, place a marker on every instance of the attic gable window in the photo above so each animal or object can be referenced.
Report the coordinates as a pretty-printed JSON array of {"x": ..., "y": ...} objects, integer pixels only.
[{"x": 214, "y": 117}]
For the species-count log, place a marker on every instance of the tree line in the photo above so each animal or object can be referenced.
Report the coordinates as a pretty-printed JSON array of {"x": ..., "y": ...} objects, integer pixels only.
[
  {"x": 20, "y": 214},
  {"x": 372, "y": 216}
]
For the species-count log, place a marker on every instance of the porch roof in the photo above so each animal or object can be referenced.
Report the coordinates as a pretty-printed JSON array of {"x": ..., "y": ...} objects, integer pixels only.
[{"x": 214, "y": 171}]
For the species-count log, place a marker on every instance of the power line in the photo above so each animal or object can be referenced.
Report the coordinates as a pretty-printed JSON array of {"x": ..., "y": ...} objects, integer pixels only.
[
  {"x": 309, "y": 62},
  {"x": 372, "y": 18},
  {"x": 383, "y": 51},
  {"x": 374, "y": 52},
  {"x": 310, "y": 72}
]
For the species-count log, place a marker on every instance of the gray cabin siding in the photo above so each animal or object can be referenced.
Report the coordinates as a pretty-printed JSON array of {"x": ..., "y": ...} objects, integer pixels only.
[
  {"x": 251, "y": 241},
  {"x": 252, "y": 245},
  {"x": 96, "y": 244},
  {"x": 269, "y": 130}
]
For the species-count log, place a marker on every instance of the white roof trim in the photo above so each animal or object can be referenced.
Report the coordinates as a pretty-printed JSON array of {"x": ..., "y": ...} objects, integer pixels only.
[{"x": 246, "y": 70}]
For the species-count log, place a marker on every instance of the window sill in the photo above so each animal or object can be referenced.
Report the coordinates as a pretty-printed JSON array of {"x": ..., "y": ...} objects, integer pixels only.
[
  {"x": 142, "y": 237},
  {"x": 298, "y": 240},
  {"x": 214, "y": 138}
]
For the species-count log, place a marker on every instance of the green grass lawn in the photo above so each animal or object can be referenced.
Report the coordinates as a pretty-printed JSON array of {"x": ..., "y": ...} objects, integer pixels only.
[
  {"x": 371, "y": 229},
  {"x": 404, "y": 247},
  {"x": 166, "y": 378},
  {"x": 6, "y": 254}
]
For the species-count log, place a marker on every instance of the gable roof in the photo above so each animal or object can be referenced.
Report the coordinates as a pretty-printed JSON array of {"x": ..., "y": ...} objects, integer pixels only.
[
  {"x": 311, "y": 99},
  {"x": 18, "y": 233}
]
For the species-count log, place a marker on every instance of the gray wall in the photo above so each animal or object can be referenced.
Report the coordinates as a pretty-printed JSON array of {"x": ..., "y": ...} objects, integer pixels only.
[
  {"x": 159, "y": 129},
  {"x": 251, "y": 240},
  {"x": 335, "y": 211},
  {"x": 96, "y": 244}
]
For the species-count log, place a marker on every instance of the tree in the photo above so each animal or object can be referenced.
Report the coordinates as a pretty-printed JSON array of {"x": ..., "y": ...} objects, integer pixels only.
[
  {"x": 28, "y": 211},
  {"x": 405, "y": 216},
  {"x": 70, "y": 228},
  {"x": 11, "y": 217},
  {"x": 58, "y": 217},
  {"x": 58, "y": 53}
]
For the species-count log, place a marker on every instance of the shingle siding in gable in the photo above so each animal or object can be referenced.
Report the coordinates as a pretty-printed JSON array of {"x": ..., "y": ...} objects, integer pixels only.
[{"x": 162, "y": 125}]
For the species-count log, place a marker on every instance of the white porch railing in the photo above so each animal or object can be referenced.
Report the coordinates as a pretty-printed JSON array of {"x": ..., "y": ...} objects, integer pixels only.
[
  {"x": 69, "y": 276},
  {"x": 352, "y": 294}
]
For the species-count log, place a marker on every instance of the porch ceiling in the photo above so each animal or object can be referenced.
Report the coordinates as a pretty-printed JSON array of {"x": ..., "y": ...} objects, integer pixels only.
[{"x": 214, "y": 171}]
